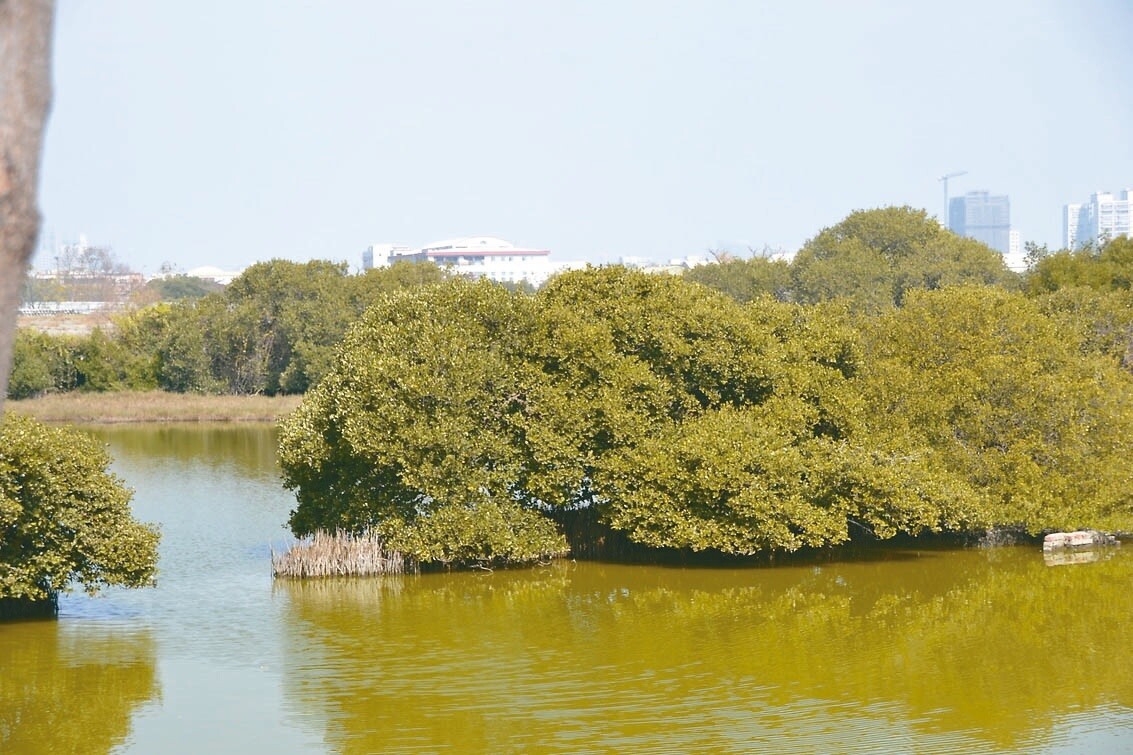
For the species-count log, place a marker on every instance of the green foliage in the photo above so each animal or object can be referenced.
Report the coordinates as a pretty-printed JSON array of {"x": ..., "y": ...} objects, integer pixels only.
[
  {"x": 413, "y": 430},
  {"x": 697, "y": 343},
  {"x": 847, "y": 268},
  {"x": 128, "y": 356},
  {"x": 95, "y": 362},
  {"x": 757, "y": 446},
  {"x": 63, "y": 517},
  {"x": 32, "y": 364},
  {"x": 399, "y": 276},
  {"x": 733, "y": 480},
  {"x": 744, "y": 280},
  {"x": 456, "y": 417},
  {"x": 1009, "y": 414},
  {"x": 183, "y": 359},
  {"x": 1108, "y": 268},
  {"x": 43, "y": 363},
  {"x": 100, "y": 363},
  {"x": 480, "y": 534},
  {"x": 687, "y": 419},
  {"x": 177, "y": 288},
  {"x": 272, "y": 330},
  {"x": 1101, "y": 322},
  {"x": 280, "y": 319},
  {"x": 275, "y": 328},
  {"x": 901, "y": 394},
  {"x": 874, "y": 257},
  {"x": 140, "y": 335}
]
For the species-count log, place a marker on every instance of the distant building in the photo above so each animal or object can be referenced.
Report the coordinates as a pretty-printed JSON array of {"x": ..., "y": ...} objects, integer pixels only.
[
  {"x": 1070, "y": 215},
  {"x": 675, "y": 265},
  {"x": 214, "y": 274},
  {"x": 983, "y": 217},
  {"x": 379, "y": 255},
  {"x": 1102, "y": 218},
  {"x": 475, "y": 257}
]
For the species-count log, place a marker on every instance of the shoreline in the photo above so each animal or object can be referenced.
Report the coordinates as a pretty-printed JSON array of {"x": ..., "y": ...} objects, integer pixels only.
[{"x": 152, "y": 406}]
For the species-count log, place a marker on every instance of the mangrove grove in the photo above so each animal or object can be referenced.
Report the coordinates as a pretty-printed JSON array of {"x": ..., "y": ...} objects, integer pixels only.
[{"x": 463, "y": 423}]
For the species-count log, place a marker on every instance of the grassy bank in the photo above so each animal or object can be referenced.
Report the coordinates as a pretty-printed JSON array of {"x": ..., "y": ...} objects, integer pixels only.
[{"x": 153, "y": 406}]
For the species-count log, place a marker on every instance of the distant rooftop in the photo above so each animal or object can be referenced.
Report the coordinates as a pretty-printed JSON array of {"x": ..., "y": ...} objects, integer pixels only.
[
  {"x": 215, "y": 274},
  {"x": 477, "y": 245}
]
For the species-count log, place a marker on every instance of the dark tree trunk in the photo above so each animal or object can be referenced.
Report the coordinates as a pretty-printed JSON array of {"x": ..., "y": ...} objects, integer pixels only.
[{"x": 25, "y": 92}]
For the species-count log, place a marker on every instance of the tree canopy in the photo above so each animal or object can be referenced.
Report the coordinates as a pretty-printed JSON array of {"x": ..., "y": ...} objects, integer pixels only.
[
  {"x": 687, "y": 420},
  {"x": 746, "y": 279},
  {"x": 274, "y": 329},
  {"x": 414, "y": 432},
  {"x": 873, "y": 257},
  {"x": 1018, "y": 424},
  {"x": 64, "y": 519},
  {"x": 1108, "y": 267}
]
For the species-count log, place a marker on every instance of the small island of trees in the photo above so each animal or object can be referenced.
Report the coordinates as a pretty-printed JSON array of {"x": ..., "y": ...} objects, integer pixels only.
[{"x": 462, "y": 422}]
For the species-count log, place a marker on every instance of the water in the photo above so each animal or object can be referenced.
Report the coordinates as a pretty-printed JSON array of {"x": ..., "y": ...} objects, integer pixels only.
[{"x": 910, "y": 651}]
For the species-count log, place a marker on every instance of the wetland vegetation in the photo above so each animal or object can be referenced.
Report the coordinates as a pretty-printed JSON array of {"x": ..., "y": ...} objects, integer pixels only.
[{"x": 892, "y": 379}]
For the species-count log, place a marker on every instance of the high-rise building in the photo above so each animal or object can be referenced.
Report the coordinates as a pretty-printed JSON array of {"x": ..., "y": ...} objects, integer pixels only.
[
  {"x": 983, "y": 217},
  {"x": 1102, "y": 218}
]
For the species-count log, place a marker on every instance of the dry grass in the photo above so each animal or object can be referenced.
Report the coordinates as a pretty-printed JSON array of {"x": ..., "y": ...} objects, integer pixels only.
[
  {"x": 153, "y": 406},
  {"x": 66, "y": 325},
  {"x": 337, "y": 555}
]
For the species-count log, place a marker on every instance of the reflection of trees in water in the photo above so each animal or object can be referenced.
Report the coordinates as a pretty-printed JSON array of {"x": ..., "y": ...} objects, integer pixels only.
[
  {"x": 71, "y": 689},
  {"x": 249, "y": 447},
  {"x": 992, "y": 646}
]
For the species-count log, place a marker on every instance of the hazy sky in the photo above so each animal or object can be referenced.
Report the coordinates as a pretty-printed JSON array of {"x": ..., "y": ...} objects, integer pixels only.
[{"x": 226, "y": 132}]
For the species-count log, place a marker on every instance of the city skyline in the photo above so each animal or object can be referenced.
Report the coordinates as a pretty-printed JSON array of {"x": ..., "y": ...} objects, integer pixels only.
[{"x": 598, "y": 131}]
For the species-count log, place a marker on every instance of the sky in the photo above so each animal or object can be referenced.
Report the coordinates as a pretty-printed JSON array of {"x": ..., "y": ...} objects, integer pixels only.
[{"x": 226, "y": 132}]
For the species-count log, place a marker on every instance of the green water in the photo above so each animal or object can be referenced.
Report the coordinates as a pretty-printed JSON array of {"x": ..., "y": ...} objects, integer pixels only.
[{"x": 908, "y": 651}]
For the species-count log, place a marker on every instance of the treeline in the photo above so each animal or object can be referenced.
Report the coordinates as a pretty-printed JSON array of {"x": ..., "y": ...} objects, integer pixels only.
[
  {"x": 272, "y": 330},
  {"x": 275, "y": 328},
  {"x": 463, "y": 423}
]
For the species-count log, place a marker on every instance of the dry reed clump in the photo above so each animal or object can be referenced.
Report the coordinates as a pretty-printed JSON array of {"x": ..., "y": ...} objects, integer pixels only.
[{"x": 338, "y": 554}]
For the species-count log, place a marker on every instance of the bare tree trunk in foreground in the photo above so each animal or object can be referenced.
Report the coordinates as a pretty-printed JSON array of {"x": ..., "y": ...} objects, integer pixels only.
[{"x": 25, "y": 92}]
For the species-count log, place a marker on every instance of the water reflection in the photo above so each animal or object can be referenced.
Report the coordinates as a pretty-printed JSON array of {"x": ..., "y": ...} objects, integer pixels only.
[
  {"x": 247, "y": 449},
  {"x": 65, "y": 689},
  {"x": 215, "y": 493},
  {"x": 925, "y": 651},
  {"x": 945, "y": 650}
]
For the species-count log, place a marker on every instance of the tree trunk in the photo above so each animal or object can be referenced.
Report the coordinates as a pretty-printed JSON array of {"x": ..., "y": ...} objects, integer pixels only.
[{"x": 25, "y": 92}]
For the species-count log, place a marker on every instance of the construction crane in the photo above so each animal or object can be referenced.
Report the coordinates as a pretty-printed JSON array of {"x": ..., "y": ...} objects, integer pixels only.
[{"x": 944, "y": 180}]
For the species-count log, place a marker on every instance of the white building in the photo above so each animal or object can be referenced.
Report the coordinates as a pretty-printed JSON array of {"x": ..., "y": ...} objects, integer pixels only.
[
  {"x": 675, "y": 265},
  {"x": 1102, "y": 218},
  {"x": 378, "y": 255},
  {"x": 475, "y": 257},
  {"x": 214, "y": 274},
  {"x": 1016, "y": 257}
]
